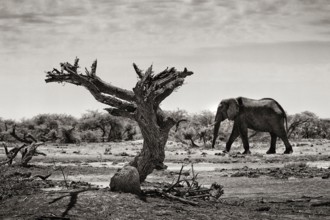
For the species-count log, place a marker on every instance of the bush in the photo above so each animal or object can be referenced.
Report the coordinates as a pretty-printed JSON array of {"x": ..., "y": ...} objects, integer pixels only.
[
  {"x": 130, "y": 131},
  {"x": 190, "y": 133},
  {"x": 68, "y": 135},
  {"x": 89, "y": 136}
]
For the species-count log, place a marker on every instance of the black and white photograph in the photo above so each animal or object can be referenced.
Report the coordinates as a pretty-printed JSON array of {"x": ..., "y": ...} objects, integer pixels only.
[{"x": 164, "y": 109}]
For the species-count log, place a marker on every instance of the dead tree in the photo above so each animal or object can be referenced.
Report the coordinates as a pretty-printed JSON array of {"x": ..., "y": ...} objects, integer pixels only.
[
  {"x": 140, "y": 104},
  {"x": 11, "y": 154},
  {"x": 27, "y": 150}
]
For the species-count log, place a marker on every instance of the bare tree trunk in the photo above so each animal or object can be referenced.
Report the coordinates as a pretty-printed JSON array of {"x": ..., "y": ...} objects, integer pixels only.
[{"x": 152, "y": 154}]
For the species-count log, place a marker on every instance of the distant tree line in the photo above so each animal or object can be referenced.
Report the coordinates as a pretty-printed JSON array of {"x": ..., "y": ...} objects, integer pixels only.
[
  {"x": 92, "y": 126},
  {"x": 193, "y": 129},
  {"x": 198, "y": 128}
]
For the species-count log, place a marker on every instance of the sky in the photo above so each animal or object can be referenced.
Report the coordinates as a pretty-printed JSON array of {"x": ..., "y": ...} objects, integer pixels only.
[{"x": 256, "y": 48}]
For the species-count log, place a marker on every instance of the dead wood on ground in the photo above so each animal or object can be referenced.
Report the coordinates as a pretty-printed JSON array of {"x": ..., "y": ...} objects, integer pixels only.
[{"x": 187, "y": 190}]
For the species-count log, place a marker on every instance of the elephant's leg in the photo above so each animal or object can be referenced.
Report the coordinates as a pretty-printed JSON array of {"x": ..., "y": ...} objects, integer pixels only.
[
  {"x": 272, "y": 149},
  {"x": 288, "y": 147},
  {"x": 234, "y": 134},
  {"x": 243, "y": 131}
]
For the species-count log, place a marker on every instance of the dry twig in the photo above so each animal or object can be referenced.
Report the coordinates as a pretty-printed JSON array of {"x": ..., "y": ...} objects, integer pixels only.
[{"x": 187, "y": 190}]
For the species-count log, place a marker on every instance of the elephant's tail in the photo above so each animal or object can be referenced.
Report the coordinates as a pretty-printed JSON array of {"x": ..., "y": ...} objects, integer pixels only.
[{"x": 281, "y": 108}]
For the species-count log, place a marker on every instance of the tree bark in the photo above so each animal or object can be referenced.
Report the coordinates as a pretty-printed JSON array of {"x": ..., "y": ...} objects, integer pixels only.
[
  {"x": 141, "y": 105},
  {"x": 152, "y": 155}
]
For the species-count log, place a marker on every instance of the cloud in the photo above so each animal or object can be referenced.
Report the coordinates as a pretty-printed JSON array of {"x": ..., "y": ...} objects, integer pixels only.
[
  {"x": 185, "y": 23},
  {"x": 220, "y": 38},
  {"x": 315, "y": 52},
  {"x": 324, "y": 22}
]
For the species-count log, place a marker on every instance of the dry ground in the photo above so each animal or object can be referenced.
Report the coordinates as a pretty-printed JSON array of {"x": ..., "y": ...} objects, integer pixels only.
[{"x": 257, "y": 186}]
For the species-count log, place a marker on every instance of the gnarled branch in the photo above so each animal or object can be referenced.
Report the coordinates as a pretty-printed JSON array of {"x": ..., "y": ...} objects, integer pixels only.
[
  {"x": 138, "y": 71},
  {"x": 120, "y": 112},
  {"x": 158, "y": 87},
  {"x": 118, "y": 97}
]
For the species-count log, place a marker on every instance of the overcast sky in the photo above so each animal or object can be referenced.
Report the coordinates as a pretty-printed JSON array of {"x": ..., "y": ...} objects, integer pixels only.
[{"x": 255, "y": 48}]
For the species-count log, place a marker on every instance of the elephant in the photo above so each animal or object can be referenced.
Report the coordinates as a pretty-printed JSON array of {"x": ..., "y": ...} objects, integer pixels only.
[{"x": 264, "y": 115}]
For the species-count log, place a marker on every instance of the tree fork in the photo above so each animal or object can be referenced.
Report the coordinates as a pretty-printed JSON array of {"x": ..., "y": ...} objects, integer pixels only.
[{"x": 141, "y": 104}]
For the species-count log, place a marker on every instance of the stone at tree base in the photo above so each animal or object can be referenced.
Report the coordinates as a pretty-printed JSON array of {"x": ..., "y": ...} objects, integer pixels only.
[{"x": 127, "y": 180}]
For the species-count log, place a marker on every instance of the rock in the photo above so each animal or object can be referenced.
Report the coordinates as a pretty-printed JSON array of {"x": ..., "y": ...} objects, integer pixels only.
[{"x": 127, "y": 180}]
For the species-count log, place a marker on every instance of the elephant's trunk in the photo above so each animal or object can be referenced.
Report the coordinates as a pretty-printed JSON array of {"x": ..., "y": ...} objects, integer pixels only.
[{"x": 218, "y": 119}]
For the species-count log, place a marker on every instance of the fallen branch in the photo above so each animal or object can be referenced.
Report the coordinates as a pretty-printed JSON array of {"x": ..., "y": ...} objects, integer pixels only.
[
  {"x": 200, "y": 196},
  {"x": 179, "y": 199},
  {"x": 187, "y": 190},
  {"x": 177, "y": 182},
  {"x": 43, "y": 177}
]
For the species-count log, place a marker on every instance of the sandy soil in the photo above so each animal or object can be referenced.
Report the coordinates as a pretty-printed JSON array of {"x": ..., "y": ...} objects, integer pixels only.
[{"x": 256, "y": 186}]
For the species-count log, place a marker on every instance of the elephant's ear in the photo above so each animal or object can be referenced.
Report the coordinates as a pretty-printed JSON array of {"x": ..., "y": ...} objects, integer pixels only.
[{"x": 233, "y": 109}]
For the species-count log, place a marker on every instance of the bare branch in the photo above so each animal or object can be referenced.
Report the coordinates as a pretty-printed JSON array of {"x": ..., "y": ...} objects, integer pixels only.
[
  {"x": 138, "y": 71},
  {"x": 178, "y": 124},
  {"x": 90, "y": 81},
  {"x": 76, "y": 66},
  {"x": 31, "y": 151},
  {"x": 74, "y": 78},
  {"x": 158, "y": 87},
  {"x": 120, "y": 112},
  {"x": 168, "y": 81},
  {"x": 31, "y": 137},
  {"x": 93, "y": 68},
  {"x": 164, "y": 73},
  {"x": 11, "y": 154},
  {"x": 149, "y": 72},
  {"x": 167, "y": 76},
  {"x": 110, "y": 100},
  {"x": 113, "y": 90},
  {"x": 179, "y": 199},
  {"x": 43, "y": 177},
  {"x": 177, "y": 181},
  {"x": 167, "y": 90}
]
